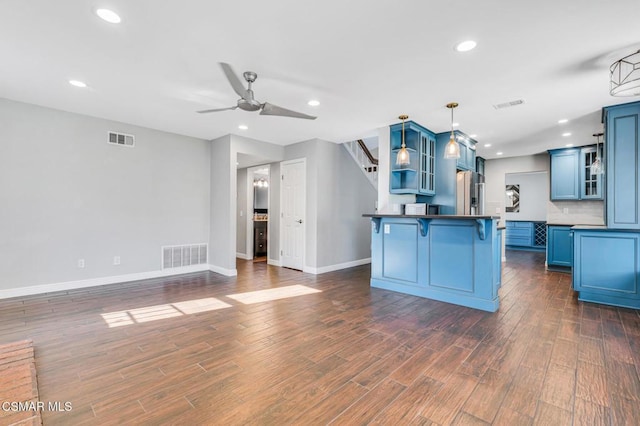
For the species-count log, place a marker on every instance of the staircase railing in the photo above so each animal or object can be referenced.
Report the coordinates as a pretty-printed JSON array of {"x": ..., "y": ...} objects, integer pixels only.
[{"x": 366, "y": 162}]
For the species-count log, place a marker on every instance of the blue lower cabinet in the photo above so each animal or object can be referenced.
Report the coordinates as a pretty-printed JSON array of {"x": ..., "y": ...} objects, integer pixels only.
[
  {"x": 606, "y": 267},
  {"x": 559, "y": 246},
  {"x": 455, "y": 260}
]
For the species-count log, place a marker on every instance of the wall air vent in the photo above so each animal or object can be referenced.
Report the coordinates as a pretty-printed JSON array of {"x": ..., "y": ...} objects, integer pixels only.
[
  {"x": 186, "y": 255},
  {"x": 121, "y": 139},
  {"x": 509, "y": 104}
]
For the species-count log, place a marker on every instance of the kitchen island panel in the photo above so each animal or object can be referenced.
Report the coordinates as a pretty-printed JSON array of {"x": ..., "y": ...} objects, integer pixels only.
[{"x": 453, "y": 259}]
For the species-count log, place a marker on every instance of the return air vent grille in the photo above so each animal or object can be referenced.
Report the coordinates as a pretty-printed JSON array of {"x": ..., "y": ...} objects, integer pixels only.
[
  {"x": 187, "y": 255},
  {"x": 509, "y": 104},
  {"x": 121, "y": 139}
]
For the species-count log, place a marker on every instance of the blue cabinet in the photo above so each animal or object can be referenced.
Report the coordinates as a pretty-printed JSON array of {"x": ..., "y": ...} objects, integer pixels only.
[
  {"x": 480, "y": 165},
  {"x": 565, "y": 174},
  {"x": 467, "y": 160},
  {"x": 418, "y": 177},
  {"x": 525, "y": 235},
  {"x": 519, "y": 234},
  {"x": 571, "y": 177},
  {"x": 622, "y": 165},
  {"x": 559, "y": 246},
  {"x": 590, "y": 183},
  {"x": 607, "y": 266}
]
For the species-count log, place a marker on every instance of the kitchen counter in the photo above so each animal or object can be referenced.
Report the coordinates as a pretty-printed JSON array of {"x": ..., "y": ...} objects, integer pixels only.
[{"x": 454, "y": 259}]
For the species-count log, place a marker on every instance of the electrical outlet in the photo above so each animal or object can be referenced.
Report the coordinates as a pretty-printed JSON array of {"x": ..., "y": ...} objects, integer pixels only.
[
  {"x": 116, "y": 260},
  {"x": 497, "y": 210},
  {"x": 241, "y": 213},
  {"x": 565, "y": 210},
  {"x": 80, "y": 263}
]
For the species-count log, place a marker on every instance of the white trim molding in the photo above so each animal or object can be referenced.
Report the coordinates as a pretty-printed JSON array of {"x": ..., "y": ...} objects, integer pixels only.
[
  {"x": 336, "y": 267},
  {"x": 93, "y": 282},
  {"x": 243, "y": 256},
  {"x": 274, "y": 262},
  {"x": 223, "y": 271}
]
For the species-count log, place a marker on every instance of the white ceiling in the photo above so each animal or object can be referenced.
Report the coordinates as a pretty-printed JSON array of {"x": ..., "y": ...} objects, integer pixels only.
[{"x": 365, "y": 61}]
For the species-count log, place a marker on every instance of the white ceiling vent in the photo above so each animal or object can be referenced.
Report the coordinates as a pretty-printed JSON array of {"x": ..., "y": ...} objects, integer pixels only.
[
  {"x": 186, "y": 255},
  {"x": 509, "y": 104},
  {"x": 121, "y": 139}
]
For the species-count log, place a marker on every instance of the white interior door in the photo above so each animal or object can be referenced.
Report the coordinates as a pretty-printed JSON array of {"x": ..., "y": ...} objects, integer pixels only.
[{"x": 293, "y": 218}]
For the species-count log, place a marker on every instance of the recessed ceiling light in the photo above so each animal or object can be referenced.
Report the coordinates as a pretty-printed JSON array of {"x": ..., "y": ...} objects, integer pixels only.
[
  {"x": 465, "y": 46},
  {"x": 562, "y": 121},
  {"x": 313, "y": 102},
  {"x": 455, "y": 124},
  {"x": 473, "y": 136},
  {"x": 569, "y": 145},
  {"x": 109, "y": 16},
  {"x": 487, "y": 145},
  {"x": 243, "y": 127},
  {"x": 77, "y": 83},
  {"x": 566, "y": 134},
  {"x": 499, "y": 153}
]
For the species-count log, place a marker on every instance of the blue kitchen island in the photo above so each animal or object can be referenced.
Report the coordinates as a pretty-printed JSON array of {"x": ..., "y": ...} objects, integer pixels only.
[{"x": 454, "y": 259}]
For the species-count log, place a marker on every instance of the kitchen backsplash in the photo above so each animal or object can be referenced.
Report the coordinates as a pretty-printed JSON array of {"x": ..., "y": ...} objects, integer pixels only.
[{"x": 575, "y": 212}]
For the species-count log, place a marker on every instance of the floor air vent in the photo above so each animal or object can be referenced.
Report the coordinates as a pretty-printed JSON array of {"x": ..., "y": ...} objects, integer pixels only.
[
  {"x": 179, "y": 256},
  {"x": 121, "y": 139}
]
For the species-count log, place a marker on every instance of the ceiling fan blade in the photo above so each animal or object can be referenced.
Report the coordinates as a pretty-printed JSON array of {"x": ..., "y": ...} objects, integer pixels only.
[
  {"x": 235, "y": 82},
  {"x": 270, "y": 109},
  {"x": 216, "y": 110}
]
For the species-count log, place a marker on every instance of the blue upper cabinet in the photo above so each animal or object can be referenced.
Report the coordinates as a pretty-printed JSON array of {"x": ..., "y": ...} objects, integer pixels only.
[
  {"x": 571, "y": 177},
  {"x": 467, "y": 160},
  {"x": 622, "y": 166},
  {"x": 565, "y": 174},
  {"x": 418, "y": 177}
]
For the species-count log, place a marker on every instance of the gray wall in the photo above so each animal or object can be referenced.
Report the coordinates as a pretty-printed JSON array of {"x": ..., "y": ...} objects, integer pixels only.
[
  {"x": 67, "y": 195},
  {"x": 534, "y": 193},
  {"x": 273, "y": 232},
  {"x": 241, "y": 206},
  {"x": 344, "y": 194},
  {"x": 495, "y": 171},
  {"x": 222, "y": 248}
]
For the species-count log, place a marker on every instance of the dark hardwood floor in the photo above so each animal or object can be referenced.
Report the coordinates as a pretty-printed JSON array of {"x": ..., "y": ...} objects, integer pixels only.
[{"x": 182, "y": 351}]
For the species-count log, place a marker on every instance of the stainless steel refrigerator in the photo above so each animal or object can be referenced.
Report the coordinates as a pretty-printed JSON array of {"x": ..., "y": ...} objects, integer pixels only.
[{"x": 470, "y": 193}]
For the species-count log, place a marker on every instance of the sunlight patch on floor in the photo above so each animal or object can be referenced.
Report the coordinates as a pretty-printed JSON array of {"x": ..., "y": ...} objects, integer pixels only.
[
  {"x": 273, "y": 294},
  {"x": 158, "y": 312}
]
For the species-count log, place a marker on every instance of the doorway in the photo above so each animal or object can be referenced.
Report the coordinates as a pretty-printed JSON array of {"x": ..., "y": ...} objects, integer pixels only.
[{"x": 258, "y": 196}]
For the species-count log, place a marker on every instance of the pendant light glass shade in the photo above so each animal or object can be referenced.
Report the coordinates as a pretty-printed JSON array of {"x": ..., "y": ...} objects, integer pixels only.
[
  {"x": 402, "y": 158},
  {"x": 597, "y": 167},
  {"x": 452, "y": 149}
]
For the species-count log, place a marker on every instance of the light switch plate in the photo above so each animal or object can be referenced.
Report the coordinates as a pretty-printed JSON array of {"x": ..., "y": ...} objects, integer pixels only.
[{"x": 387, "y": 228}]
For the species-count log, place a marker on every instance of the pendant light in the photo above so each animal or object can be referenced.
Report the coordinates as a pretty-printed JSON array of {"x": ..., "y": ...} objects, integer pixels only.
[
  {"x": 402, "y": 159},
  {"x": 624, "y": 76},
  {"x": 597, "y": 167},
  {"x": 452, "y": 149}
]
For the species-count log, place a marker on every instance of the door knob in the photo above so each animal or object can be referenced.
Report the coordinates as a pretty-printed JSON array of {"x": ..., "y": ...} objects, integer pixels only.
[{"x": 299, "y": 220}]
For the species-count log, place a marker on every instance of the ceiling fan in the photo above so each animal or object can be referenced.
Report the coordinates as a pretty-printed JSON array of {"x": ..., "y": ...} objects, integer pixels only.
[{"x": 247, "y": 101}]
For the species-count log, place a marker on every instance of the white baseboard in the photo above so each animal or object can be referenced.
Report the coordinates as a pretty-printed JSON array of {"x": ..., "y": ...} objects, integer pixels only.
[
  {"x": 223, "y": 271},
  {"x": 243, "y": 256},
  {"x": 274, "y": 262},
  {"x": 92, "y": 282},
  {"x": 336, "y": 267}
]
